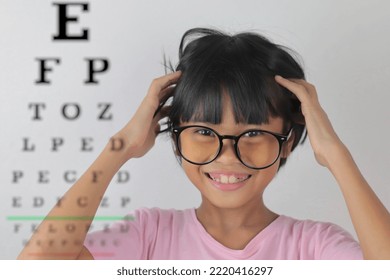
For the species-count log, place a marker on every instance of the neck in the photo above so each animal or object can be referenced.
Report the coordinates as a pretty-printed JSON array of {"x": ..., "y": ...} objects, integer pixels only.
[{"x": 253, "y": 214}]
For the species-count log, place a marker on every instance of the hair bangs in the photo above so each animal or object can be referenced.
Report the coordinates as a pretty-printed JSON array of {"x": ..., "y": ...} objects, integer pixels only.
[
  {"x": 249, "y": 98},
  {"x": 202, "y": 104}
]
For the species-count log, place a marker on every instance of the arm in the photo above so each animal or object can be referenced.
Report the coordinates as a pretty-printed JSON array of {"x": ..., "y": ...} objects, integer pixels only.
[
  {"x": 370, "y": 218},
  {"x": 69, "y": 222},
  {"x": 46, "y": 242}
]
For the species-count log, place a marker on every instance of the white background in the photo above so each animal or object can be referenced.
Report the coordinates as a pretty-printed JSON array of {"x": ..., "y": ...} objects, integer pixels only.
[{"x": 344, "y": 46}]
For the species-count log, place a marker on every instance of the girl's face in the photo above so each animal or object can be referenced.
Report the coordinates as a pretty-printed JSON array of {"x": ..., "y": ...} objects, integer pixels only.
[{"x": 226, "y": 182}]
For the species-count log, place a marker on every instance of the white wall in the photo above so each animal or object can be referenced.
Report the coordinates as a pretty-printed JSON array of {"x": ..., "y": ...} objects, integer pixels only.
[{"x": 344, "y": 45}]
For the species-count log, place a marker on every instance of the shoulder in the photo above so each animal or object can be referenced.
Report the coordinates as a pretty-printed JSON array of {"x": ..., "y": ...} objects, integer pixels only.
[
  {"x": 310, "y": 227},
  {"x": 325, "y": 240}
]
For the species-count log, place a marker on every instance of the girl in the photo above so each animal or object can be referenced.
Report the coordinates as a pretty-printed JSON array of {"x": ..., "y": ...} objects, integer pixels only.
[{"x": 240, "y": 105}]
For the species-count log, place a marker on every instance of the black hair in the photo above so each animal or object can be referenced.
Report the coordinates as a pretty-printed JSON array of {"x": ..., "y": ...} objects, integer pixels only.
[{"x": 243, "y": 66}]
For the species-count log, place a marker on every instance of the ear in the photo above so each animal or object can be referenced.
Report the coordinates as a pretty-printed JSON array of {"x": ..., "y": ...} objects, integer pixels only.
[{"x": 287, "y": 146}]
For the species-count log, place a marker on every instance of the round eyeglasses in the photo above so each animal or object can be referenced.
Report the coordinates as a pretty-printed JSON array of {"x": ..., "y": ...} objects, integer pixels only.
[{"x": 256, "y": 149}]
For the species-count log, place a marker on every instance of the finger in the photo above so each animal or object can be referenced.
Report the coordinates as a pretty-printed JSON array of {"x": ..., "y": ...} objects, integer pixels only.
[
  {"x": 296, "y": 88},
  {"x": 163, "y": 101},
  {"x": 309, "y": 87},
  {"x": 160, "y": 116},
  {"x": 164, "y": 112},
  {"x": 157, "y": 129},
  {"x": 160, "y": 83},
  {"x": 166, "y": 93},
  {"x": 302, "y": 82},
  {"x": 162, "y": 126}
]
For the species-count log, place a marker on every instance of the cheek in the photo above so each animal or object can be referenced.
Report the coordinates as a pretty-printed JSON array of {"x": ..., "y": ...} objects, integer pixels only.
[
  {"x": 265, "y": 176},
  {"x": 193, "y": 172}
]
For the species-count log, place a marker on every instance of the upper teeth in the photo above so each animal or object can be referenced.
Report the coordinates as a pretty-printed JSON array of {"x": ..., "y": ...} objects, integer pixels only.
[{"x": 224, "y": 179}]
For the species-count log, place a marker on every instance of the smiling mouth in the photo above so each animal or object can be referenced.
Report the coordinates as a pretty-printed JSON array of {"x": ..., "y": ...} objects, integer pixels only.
[{"x": 228, "y": 179}]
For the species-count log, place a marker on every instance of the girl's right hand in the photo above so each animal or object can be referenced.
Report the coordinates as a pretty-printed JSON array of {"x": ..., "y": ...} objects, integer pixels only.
[{"x": 139, "y": 134}]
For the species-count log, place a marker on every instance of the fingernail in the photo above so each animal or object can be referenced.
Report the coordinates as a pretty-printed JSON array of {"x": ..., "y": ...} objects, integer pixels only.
[{"x": 278, "y": 77}]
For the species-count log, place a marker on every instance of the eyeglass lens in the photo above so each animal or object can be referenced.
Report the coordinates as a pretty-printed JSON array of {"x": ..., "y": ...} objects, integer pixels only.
[{"x": 256, "y": 149}]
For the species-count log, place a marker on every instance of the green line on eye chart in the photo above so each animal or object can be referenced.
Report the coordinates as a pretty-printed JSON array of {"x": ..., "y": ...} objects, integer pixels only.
[{"x": 70, "y": 218}]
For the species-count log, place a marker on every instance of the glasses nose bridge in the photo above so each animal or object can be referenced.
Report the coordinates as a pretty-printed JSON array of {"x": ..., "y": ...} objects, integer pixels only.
[{"x": 229, "y": 137}]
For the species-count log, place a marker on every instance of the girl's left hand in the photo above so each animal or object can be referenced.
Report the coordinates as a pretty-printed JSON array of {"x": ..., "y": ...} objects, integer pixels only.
[{"x": 322, "y": 136}]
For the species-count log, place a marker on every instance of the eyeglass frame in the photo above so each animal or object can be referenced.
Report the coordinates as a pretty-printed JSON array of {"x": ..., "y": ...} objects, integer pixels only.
[{"x": 282, "y": 138}]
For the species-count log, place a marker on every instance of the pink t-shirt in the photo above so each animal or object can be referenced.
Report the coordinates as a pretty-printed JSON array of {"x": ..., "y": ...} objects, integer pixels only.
[{"x": 177, "y": 234}]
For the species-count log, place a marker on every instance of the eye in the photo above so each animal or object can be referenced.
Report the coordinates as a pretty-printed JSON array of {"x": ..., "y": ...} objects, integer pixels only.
[
  {"x": 253, "y": 133},
  {"x": 205, "y": 132}
]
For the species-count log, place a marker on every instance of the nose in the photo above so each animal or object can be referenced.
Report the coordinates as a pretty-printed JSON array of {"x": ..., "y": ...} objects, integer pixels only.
[{"x": 228, "y": 153}]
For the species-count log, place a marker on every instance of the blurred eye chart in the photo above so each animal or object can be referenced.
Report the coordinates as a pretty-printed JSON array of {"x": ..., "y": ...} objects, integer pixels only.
[{"x": 72, "y": 73}]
